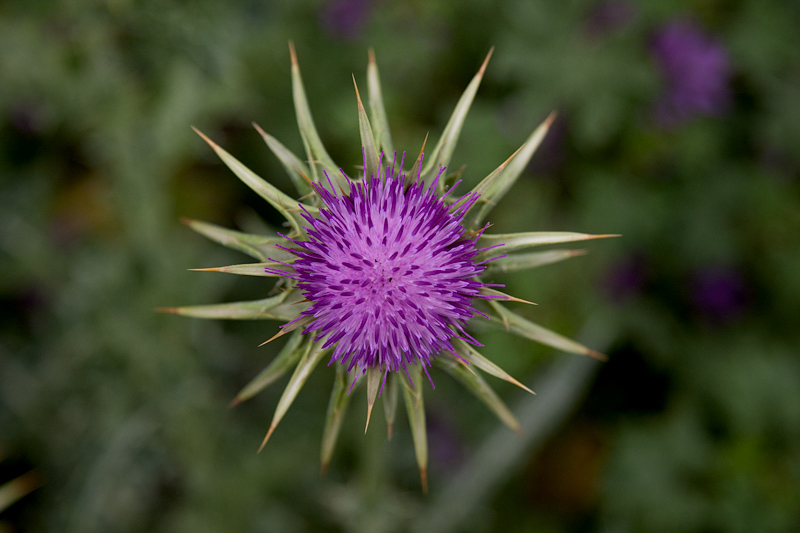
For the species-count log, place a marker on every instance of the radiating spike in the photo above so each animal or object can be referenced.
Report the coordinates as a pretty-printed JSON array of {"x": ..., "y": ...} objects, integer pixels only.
[
  {"x": 374, "y": 375},
  {"x": 246, "y": 269},
  {"x": 415, "y": 407},
  {"x": 260, "y": 247},
  {"x": 337, "y": 406},
  {"x": 267, "y": 191},
  {"x": 377, "y": 111},
  {"x": 414, "y": 175},
  {"x": 269, "y": 434},
  {"x": 285, "y": 359},
  {"x": 368, "y": 145},
  {"x": 478, "y": 386},
  {"x": 300, "y": 322},
  {"x": 390, "y": 404},
  {"x": 471, "y": 355},
  {"x": 481, "y": 188},
  {"x": 318, "y": 157},
  {"x": 256, "y": 309},
  {"x": 486, "y": 291},
  {"x": 440, "y": 157},
  {"x": 525, "y": 328},
  {"x": 312, "y": 356},
  {"x": 509, "y": 177},
  {"x": 513, "y": 242},
  {"x": 296, "y": 169},
  {"x": 514, "y": 262}
]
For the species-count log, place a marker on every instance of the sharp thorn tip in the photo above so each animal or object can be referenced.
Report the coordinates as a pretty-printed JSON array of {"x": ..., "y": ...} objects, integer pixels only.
[{"x": 269, "y": 434}]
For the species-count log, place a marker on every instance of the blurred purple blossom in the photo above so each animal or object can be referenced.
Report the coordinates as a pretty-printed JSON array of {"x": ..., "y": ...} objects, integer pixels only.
[
  {"x": 345, "y": 19},
  {"x": 697, "y": 71},
  {"x": 719, "y": 293},
  {"x": 610, "y": 17}
]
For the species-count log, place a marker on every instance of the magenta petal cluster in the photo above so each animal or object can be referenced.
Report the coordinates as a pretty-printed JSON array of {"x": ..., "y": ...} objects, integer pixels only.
[
  {"x": 697, "y": 69},
  {"x": 389, "y": 271}
]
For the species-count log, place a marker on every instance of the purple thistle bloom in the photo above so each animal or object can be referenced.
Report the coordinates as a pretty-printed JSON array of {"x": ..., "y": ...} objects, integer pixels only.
[
  {"x": 697, "y": 71},
  {"x": 719, "y": 294},
  {"x": 610, "y": 17},
  {"x": 345, "y": 19},
  {"x": 380, "y": 273},
  {"x": 389, "y": 271}
]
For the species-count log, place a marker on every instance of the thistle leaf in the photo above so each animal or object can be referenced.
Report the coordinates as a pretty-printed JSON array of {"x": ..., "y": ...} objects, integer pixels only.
[
  {"x": 246, "y": 269},
  {"x": 478, "y": 386},
  {"x": 285, "y": 204},
  {"x": 337, "y": 406},
  {"x": 513, "y": 242},
  {"x": 440, "y": 157},
  {"x": 250, "y": 310},
  {"x": 473, "y": 357},
  {"x": 516, "y": 262},
  {"x": 260, "y": 247},
  {"x": 501, "y": 186},
  {"x": 390, "y": 403},
  {"x": 318, "y": 157},
  {"x": 377, "y": 111},
  {"x": 415, "y": 407},
  {"x": 525, "y": 328},
  {"x": 312, "y": 355},
  {"x": 367, "y": 139},
  {"x": 297, "y": 170},
  {"x": 285, "y": 359}
]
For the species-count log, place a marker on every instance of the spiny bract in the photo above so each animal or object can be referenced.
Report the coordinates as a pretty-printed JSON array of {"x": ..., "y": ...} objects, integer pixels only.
[{"x": 380, "y": 272}]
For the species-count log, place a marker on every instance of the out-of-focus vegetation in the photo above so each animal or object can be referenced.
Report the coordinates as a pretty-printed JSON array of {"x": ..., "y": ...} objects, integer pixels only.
[{"x": 679, "y": 127}]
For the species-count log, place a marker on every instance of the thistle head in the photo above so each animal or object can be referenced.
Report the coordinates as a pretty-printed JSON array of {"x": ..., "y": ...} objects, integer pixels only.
[
  {"x": 381, "y": 273},
  {"x": 389, "y": 272}
]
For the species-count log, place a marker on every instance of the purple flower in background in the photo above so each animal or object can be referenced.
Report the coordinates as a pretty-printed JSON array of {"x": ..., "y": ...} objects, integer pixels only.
[
  {"x": 345, "y": 19},
  {"x": 719, "y": 293},
  {"x": 697, "y": 71},
  {"x": 610, "y": 17},
  {"x": 390, "y": 273}
]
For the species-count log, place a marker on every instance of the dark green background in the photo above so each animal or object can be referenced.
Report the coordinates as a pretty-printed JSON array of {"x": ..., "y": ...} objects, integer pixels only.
[{"x": 121, "y": 413}]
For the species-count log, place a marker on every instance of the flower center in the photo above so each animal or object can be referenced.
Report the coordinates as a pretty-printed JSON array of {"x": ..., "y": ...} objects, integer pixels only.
[{"x": 389, "y": 274}]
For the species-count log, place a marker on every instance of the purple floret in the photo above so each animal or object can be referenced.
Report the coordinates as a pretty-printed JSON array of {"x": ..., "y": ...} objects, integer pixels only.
[
  {"x": 390, "y": 273},
  {"x": 345, "y": 19},
  {"x": 697, "y": 70}
]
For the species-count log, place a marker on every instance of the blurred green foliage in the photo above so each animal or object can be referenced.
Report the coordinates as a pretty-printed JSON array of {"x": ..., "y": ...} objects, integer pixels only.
[{"x": 693, "y": 425}]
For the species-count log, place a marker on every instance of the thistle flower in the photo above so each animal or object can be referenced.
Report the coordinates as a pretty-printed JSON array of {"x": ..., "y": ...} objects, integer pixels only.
[
  {"x": 345, "y": 19},
  {"x": 389, "y": 273},
  {"x": 380, "y": 272},
  {"x": 719, "y": 293},
  {"x": 697, "y": 70}
]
